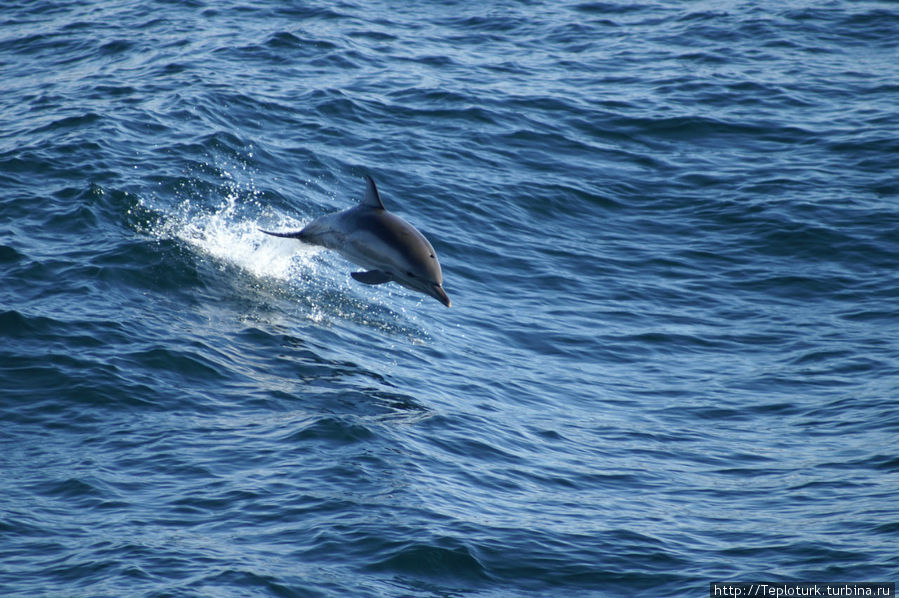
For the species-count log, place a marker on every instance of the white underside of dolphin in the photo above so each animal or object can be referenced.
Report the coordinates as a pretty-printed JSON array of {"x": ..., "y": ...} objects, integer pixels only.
[{"x": 388, "y": 247}]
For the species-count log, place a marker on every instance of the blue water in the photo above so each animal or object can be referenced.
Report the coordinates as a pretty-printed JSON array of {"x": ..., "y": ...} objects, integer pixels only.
[{"x": 670, "y": 232}]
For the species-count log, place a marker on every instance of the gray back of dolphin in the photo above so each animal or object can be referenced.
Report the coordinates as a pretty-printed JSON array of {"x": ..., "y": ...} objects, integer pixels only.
[{"x": 388, "y": 247}]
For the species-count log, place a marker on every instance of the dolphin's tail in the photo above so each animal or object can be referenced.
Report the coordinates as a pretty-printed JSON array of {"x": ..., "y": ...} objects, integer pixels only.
[{"x": 297, "y": 234}]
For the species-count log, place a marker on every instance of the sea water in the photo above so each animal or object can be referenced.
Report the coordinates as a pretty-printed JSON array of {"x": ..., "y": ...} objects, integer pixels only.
[{"x": 670, "y": 232}]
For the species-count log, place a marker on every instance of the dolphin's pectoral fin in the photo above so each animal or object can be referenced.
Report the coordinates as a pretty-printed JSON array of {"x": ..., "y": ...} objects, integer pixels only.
[{"x": 372, "y": 277}]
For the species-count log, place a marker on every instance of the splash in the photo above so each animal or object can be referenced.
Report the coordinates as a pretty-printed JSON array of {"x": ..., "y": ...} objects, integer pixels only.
[
  {"x": 231, "y": 237},
  {"x": 229, "y": 231}
]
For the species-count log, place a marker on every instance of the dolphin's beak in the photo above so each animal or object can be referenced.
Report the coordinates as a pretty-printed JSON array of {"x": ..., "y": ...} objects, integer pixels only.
[{"x": 440, "y": 295}]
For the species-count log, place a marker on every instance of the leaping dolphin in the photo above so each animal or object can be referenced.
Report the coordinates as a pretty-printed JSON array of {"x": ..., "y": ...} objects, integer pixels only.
[{"x": 389, "y": 248}]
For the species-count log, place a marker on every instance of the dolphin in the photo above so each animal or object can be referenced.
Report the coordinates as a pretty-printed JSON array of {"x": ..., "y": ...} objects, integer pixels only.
[{"x": 388, "y": 247}]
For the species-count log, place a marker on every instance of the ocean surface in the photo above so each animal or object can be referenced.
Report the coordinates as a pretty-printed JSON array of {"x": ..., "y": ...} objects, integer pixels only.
[{"x": 670, "y": 231}]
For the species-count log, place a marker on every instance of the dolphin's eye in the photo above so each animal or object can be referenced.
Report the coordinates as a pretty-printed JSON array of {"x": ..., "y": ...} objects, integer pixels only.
[{"x": 410, "y": 274}]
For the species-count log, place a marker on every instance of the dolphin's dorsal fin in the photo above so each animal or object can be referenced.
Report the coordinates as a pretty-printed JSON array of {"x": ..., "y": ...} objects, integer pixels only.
[{"x": 372, "y": 198}]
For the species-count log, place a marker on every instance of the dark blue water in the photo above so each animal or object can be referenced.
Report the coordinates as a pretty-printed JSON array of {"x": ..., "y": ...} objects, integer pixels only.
[{"x": 670, "y": 232}]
